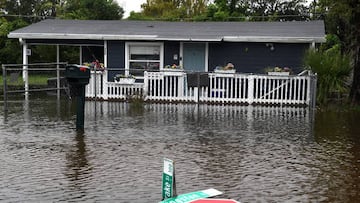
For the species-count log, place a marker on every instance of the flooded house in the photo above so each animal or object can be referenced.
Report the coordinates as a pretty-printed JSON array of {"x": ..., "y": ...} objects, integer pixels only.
[{"x": 201, "y": 62}]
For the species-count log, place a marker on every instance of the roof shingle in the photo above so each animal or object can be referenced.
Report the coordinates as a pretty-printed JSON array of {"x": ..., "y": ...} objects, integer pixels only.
[{"x": 293, "y": 31}]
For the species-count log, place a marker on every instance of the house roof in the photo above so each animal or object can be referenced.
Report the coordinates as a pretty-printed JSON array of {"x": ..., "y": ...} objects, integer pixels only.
[{"x": 287, "y": 32}]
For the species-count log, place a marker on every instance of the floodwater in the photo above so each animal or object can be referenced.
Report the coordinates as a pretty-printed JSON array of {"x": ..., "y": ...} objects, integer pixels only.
[{"x": 252, "y": 154}]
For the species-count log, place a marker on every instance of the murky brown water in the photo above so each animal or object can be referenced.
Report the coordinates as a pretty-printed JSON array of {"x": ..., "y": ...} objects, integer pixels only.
[{"x": 252, "y": 154}]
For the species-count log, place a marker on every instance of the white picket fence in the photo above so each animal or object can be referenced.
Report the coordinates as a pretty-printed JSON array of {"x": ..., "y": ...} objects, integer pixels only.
[{"x": 229, "y": 88}]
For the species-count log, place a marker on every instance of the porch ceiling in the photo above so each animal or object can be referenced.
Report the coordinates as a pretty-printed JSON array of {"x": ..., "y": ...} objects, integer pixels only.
[{"x": 287, "y": 32}]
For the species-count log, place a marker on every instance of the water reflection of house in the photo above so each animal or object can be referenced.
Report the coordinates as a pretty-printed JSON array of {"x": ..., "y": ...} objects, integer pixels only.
[{"x": 135, "y": 47}]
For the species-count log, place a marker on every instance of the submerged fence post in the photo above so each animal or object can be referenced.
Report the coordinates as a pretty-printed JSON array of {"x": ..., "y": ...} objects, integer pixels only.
[
  {"x": 58, "y": 83},
  {"x": 5, "y": 87}
]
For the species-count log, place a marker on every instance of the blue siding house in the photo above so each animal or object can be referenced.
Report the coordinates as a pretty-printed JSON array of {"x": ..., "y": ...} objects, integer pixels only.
[
  {"x": 136, "y": 46},
  {"x": 145, "y": 50}
]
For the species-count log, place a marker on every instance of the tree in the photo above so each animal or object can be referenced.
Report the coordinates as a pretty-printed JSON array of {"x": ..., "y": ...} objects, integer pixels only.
[
  {"x": 10, "y": 51},
  {"x": 264, "y": 10},
  {"x": 29, "y": 10},
  {"x": 227, "y": 10},
  {"x": 164, "y": 9},
  {"x": 171, "y": 9},
  {"x": 342, "y": 19},
  {"x": 293, "y": 10},
  {"x": 354, "y": 42},
  {"x": 48, "y": 8},
  {"x": 194, "y": 7},
  {"x": 35, "y": 10},
  {"x": 19, "y": 13},
  {"x": 91, "y": 10}
]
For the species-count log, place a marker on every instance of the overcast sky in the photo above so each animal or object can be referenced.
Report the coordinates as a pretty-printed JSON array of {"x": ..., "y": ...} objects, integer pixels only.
[{"x": 130, "y": 5}]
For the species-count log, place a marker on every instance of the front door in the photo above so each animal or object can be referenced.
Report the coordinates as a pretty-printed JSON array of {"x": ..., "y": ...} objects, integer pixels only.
[{"x": 194, "y": 56}]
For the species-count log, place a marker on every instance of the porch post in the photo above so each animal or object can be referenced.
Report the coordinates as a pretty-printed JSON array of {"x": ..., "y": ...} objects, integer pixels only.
[
  {"x": 25, "y": 73},
  {"x": 207, "y": 57},
  {"x": 181, "y": 52},
  {"x": 80, "y": 55},
  {"x": 104, "y": 80}
]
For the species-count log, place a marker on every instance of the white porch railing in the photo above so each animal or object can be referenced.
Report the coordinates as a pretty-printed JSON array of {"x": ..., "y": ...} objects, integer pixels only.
[
  {"x": 123, "y": 91},
  {"x": 210, "y": 88},
  {"x": 95, "y": 88}
]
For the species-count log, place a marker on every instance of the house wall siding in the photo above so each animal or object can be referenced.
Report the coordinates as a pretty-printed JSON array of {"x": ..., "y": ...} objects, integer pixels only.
[
  {"x": 255, "y": 57},
  {"x": 246, "y": 57},
  {"x": 116, "y": 58}
]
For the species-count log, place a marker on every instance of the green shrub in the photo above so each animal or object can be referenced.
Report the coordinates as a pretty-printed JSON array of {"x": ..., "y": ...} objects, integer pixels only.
[{"x": 333, "y": 70}]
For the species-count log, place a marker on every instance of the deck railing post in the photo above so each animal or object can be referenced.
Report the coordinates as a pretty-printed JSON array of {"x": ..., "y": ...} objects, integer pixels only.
[
  {"x": 95, "y": 83},
  {"x": 145, "y": 86},
  {"x": 308, "y": 90},
  {"x": 104, "y": 87},
  {"x": 250, "y": 90},
  {"x": 196, "y": 94},
  {"x": 314, "y": 88},
  {"x": 181, "y": 84},
  {"x": 198, "y": 88},
  {"x": 89, "y": 88}
]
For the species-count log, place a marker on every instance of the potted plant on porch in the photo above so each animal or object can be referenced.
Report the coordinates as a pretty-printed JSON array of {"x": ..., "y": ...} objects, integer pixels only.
[
  {"x": 95, "y": 65},
  {"x": 278, "y": 71},
  {"x": 173, "y": 67},
  {"x": 229, "y": 68},
  {"x": 124, "y": 79}
]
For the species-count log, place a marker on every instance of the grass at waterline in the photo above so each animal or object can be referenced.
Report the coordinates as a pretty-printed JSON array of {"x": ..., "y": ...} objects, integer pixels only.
[{"x": 34, "y": 80}]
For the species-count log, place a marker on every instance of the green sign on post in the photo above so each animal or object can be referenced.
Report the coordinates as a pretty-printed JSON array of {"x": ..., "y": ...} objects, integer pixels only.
[
  {"x": 189, "y": 197},
  {"x": 168, "y": 179}
]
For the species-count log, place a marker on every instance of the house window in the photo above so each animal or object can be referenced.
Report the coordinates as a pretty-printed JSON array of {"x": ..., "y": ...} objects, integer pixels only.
[{"x": 143, "y": 57}]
